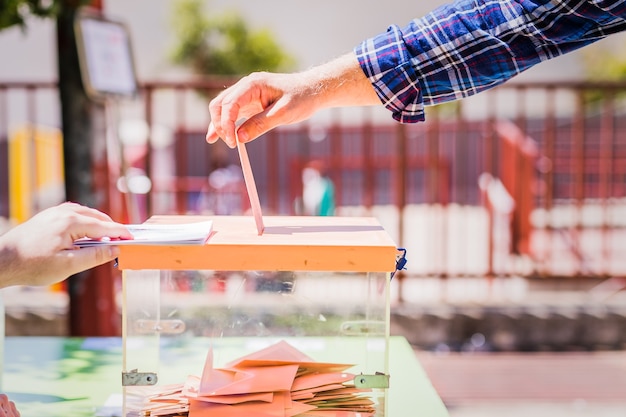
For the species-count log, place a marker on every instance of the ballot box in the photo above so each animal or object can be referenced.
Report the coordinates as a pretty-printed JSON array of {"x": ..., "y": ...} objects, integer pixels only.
[{"x": 232, "y": 325}]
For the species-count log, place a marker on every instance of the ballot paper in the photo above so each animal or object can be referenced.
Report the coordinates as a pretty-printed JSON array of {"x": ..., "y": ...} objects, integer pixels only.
[
  {"x": 192, "y": 233},
  {"x": 253, "y": 195},
  {"x": 275, "y": 381}
]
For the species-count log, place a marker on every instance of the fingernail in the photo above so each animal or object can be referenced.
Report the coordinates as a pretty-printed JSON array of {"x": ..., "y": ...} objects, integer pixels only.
[
  {"x": 114, "y": 251},
  {"x": 243, "y": 136},
  {"x": 209, "y": 131}
]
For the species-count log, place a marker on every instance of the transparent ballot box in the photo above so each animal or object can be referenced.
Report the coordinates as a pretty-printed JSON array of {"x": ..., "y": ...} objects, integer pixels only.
[{"x": 310, "y": 291}]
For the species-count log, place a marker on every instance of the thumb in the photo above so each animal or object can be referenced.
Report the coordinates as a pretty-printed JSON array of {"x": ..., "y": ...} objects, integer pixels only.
[
  {"x": 257, "y": 125},
  {"x": 87, "y": 258}
]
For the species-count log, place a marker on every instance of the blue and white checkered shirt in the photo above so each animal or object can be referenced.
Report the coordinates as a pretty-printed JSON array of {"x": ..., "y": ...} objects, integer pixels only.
[{"x": 466, "y": 47}]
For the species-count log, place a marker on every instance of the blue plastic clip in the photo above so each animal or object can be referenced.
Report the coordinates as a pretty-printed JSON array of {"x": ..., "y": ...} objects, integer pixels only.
[{"x": 400, "y": 262}]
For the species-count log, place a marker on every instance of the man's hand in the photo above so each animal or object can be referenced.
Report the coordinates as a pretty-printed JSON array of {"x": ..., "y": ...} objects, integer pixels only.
[
  {"x": 265, "y": 100},
  {"x": 261, "y": 101}
]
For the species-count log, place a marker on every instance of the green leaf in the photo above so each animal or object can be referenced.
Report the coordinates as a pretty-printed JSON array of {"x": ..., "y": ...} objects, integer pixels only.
[{"x": 223, "y": 44}]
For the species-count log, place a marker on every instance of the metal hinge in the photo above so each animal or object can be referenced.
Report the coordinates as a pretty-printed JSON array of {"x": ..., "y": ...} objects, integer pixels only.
[
  {"x": 145, "y": 326},
  {"x": 378, "y": 380},
  {"x": 134, "y": 378},
  {"x": 363, "y": 327}
]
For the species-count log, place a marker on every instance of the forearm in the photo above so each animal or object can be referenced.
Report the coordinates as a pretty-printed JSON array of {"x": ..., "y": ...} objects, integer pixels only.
[
  {"x": 340, "y": 83},
  {"x": 11, "y": 267}
]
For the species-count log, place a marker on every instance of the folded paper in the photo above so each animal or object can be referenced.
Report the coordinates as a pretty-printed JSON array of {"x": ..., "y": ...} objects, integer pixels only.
[
  {"x": 278, "y": 381},
  {"x": 192, "y": 233}
]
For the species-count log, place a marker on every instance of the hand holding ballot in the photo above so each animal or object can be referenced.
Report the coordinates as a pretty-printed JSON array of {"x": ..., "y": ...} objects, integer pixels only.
[
  {"x": 41, "y": 251},
  {"x": 265, "y": 100},
  {"x": 188, "y": 233}
]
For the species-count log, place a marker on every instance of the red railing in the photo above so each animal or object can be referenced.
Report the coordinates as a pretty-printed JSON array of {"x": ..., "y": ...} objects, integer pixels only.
[{"x": 561, "y": 157}]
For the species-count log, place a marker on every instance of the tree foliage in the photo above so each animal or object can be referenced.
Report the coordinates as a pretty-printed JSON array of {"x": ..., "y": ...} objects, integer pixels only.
[
  {"x": 15, "y": 12},
  {"x": 223, "y": 44},
  {"x": 602, "y": 64}
]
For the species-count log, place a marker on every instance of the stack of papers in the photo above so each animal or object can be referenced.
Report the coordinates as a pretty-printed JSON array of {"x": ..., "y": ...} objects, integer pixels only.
[
  {"x": 276, "y": 381},
  {"x": 195, "y": 233}
]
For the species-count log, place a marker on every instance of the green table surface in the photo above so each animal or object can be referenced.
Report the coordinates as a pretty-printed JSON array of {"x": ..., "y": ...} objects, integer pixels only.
[{"x": 72, "y": 377}]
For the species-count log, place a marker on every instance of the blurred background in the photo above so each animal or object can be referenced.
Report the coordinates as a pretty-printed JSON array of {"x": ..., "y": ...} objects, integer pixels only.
[{"x": 511, "y": 204}]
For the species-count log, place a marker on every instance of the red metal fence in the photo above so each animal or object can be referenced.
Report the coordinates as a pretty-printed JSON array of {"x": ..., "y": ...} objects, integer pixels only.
[{"x": 555, "y": 151}]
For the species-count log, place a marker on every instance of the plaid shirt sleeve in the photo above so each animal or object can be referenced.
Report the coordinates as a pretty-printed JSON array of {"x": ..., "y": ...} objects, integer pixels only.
[{"x": 469, "y": 46}]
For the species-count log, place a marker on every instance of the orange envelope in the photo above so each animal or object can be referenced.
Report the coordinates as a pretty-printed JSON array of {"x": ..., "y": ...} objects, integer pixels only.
[
  {"x": 278, "y": 353},
  {"x": 323, "y": 388},
  {"x": 345, "y": 401},
  {"x": 334, "y": 413},
  {"x": 202, "y": 409},
  {"x": 328, "y": 395},
  {"x": 282, "y": 353},
  {"x": 302, "y": 395},
  {"x": 172, "y": 398},
  {"x": 244, "y": 380},
  {"x": 164, "y": 390},
  {"x": 313, "y": 367},
  {"x": 212, "y": 378},
  {"x": 267, "y": 397},
  {"x": 280, "y": 407},
  {"x": 346, "y": 391},
  {"x": 191, "y": 386},
  {"x": 320, "y": 379},
  {"x": 278, "y": 381},
  {"x": 250, "y": 380},
  {"x": 168, "y": 410}
]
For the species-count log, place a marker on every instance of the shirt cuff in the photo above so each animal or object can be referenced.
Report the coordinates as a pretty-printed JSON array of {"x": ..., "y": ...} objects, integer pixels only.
[{"x": 387, "y": 64}]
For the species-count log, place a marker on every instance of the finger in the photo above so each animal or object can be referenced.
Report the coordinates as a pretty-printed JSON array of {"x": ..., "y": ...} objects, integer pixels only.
[
  {"x": 7, "y": 408},
  {"x": 113, "y": 230},
  {"x": 230, "y": 115},
  {"x": 215, "y": 110},
  {"x": 253, "y": 128},
  {"x": 240, "y": 102},
  {"x": 260, "y": 123},
  {"x": 14, "y": 412},
  {"x": 79, "y": 260},
  {"x": 96, "y": 229},
  {"x": 94, "y": 223},
  {"x": 88, "y": 211},
  {"x": 211, "y": 134},
  {"x": 84, "y": 211}
]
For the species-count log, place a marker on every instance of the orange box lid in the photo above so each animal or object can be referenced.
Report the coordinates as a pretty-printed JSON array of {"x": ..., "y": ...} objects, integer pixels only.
[{"x": 288, "y": 243}]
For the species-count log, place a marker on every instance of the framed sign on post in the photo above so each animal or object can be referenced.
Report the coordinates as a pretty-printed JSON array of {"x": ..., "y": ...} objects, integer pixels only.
[{"x": 105, "y": 55}]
